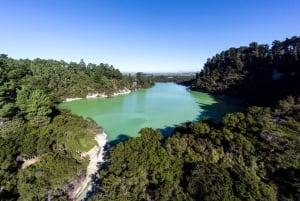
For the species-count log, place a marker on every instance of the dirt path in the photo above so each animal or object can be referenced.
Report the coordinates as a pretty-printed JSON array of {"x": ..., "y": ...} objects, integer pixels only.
[{"x": 30, "y": 162}]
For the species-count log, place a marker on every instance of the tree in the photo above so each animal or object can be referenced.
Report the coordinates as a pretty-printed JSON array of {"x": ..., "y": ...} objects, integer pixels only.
[
  {"x": 35, "y": 106},
  {"x": 82, "y": 63}
]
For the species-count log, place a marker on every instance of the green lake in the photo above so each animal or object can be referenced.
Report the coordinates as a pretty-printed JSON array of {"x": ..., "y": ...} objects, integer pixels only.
[{"x": 162, "y": 107}]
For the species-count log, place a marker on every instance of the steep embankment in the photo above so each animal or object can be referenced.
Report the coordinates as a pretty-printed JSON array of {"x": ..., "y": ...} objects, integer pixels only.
[
  {"x": 96, "y": 156},
  {"x": 101, "y": 95}
]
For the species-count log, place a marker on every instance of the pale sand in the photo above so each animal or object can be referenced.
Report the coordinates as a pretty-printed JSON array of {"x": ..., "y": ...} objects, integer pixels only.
[
  {"x": 100, "y": 95},
  {"x": 30, "y": 162},
  {"x": 96, "y": 155},
  {"x": 103, "y": 95},
  {"x": 71, "y": 99}
]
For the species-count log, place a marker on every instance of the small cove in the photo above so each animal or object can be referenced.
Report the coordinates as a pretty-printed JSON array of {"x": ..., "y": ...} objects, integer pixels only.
[{"x": 161, "y": 107}]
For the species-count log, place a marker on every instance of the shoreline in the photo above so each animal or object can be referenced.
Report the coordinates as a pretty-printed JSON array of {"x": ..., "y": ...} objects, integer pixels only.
[
  {"x": 99, "y": 95},
  {"x": 96, "y": 156},
  {"x": 71, "y": 99}
]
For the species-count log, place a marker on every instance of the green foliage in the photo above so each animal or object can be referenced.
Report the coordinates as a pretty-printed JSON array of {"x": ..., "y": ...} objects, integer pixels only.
[
  {"x": 36, "y": 79},
  {"x": 54, "y": 171},
  {"x": 58, "y": 144},
  {"x": 209, "y": 182},
  {"x": 31, "y": 125},
  {"x": 180, "y": 78},
  {"x": 35, "y": 106},
  {"x": 148, "y": 167},
  {"x": 248, "y": 156},
  {"x": 200, "y": 128},
  {"x": 257, "y": 73},
  {"x": 144, "y": 80}
]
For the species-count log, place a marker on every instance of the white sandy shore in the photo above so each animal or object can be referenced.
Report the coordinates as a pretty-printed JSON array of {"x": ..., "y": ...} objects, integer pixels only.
[
  {"x": 100, "y": 95},
  {"x": 71, "y": 99},
  {"x": 96, "y": 155}
]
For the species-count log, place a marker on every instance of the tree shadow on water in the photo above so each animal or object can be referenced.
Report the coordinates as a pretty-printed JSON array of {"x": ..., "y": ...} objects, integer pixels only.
[
  {"x": 167, "y": 131},
  {"x": 222, "y": 105},
  {"x": 120, "y": 138}
]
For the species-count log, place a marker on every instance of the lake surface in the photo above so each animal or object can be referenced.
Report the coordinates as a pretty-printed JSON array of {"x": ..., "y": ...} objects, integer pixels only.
[{"x": 162, "y": 107}]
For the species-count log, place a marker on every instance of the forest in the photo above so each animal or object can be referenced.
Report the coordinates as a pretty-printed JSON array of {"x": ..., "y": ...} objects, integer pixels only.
[
  {"x": 32, "y": 126},
  {"x": 250, "y": 155},
  {"x": 258, "y": 73},
  {"x": 253, "y": 155},
  {"x": 178, "y": 78}
]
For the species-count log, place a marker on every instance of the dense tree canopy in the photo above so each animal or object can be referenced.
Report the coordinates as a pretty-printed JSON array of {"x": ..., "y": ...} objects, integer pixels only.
[
  {"x": 32, "y": 87},
  {"x": 184, "y": 78},
  {"x": 251, "y": 155},
  {"x": 257, "y": 73},
  {"x": 32, "y": 126},
  {"x": 248, "y": 156}
]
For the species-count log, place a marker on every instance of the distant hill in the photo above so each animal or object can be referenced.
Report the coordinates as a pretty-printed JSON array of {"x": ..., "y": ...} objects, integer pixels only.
[{"x": 184, "y": 78}]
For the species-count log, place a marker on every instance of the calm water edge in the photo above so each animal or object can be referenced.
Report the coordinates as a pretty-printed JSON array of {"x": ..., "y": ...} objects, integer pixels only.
[{"x": 162, "y": 107}]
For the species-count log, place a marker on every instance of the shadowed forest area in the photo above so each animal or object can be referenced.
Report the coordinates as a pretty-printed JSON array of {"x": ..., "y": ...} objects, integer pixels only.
[{"x": 258, "y": 73}]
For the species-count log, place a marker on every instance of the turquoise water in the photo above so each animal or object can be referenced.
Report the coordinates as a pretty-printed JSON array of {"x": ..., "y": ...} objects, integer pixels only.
[{"x": 162, "y": 107}]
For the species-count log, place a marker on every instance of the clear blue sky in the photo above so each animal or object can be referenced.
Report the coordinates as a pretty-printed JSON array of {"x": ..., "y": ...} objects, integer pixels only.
[{"x": 141, "y": 35}]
